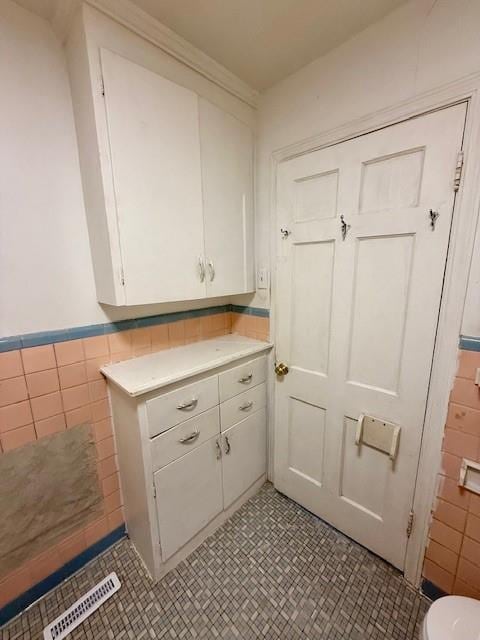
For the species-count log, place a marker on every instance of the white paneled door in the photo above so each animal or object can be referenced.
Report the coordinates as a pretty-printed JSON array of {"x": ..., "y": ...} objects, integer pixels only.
[{"x": 359, "y": 282}]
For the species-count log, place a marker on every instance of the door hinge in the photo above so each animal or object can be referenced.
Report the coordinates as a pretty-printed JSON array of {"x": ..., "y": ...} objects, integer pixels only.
[
  {"x": 154, "y": 491},
  {"x": 458, "y": 171},
  {"x": 122, "y": 277},
  {"x": 102, "y": 86},
  {"x": 411, "y": 518}
]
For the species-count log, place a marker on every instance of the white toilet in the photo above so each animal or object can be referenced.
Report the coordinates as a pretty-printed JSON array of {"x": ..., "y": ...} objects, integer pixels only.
[{"x": 452, "y": 618}]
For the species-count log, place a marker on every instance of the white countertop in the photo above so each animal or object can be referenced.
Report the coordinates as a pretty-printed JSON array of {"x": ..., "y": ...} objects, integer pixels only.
[{"x": 156, "y": 370}]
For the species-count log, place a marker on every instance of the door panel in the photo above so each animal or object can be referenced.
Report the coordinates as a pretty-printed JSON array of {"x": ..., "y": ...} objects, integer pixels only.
[
  {"x": 357, "y": 316},
  {"x": 364, "y": 474},
  {"x": 311, "y": 313},
  {"x": 316, "y": 197},
  {"x": 392, "y": 182},
  {"x": 380, "y": 298},
  {"x": 306, "y": 437},
  {"x": 155, "y": 152}
]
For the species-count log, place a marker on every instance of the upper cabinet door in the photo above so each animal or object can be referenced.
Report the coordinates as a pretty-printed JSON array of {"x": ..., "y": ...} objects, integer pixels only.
[
  {"x": 153, "y": 130},
  {"x": 227, "y": 178}
]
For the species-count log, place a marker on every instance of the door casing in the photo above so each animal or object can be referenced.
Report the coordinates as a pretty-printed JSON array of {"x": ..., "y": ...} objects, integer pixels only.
[{"x": 464, "y": 222}]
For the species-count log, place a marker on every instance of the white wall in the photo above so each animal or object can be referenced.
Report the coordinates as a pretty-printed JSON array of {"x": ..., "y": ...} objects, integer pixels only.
[
  {"x": 46, "y": 277},
  {"x": 420, "y": 46},
  {"x": 45, "y": 274}
]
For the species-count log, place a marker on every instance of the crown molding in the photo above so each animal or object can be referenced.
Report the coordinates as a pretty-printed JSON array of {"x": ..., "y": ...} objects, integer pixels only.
[{"x": 141, "y": 23}]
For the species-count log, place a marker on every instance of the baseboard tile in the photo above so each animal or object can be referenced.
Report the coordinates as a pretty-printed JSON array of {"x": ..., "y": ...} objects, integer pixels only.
[
  {"x": 431, "y": 591},
  {"x": 36, "y": 592}
]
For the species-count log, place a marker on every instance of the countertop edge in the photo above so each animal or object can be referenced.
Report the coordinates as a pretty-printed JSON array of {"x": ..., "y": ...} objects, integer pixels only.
[{"x": 165, "y": 382}]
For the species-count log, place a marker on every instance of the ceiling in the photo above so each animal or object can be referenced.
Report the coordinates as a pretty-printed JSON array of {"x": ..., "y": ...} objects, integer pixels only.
[
  {"x": 263, "y": 41},
  {"x": 260, "y": 41},
  {"x": 43, "y": 8}
]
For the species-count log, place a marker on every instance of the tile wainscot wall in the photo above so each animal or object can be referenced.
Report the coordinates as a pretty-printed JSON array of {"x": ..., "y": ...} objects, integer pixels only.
[
  {"x": 56, "y": 384},
  {"x": 452, "y": 561}
]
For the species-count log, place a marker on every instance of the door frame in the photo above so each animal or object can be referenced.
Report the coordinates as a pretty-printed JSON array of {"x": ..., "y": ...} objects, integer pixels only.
[{"x": 461, "y": 246}]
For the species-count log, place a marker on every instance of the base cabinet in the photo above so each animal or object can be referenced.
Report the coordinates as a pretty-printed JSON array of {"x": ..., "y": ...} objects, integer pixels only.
[{"x": 183, "y": 475}]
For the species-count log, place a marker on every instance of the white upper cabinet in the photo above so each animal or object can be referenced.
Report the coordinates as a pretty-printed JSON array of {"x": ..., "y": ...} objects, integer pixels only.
[
  {"x": 227, "y": 179},
  {"x": 167, "y": 179},
  {"x": 155, "y": 154}
]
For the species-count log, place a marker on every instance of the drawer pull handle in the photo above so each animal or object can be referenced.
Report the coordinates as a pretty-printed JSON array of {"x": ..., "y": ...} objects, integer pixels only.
[
  {"x": 246, "y": 406},
  {"x": 227, "y": 446},
  {"x": 219, "y": 449},
  {"x": 246, "y": 379},
  {"x": 185, "y": 406},
  {"x": 191, "y": 438}
]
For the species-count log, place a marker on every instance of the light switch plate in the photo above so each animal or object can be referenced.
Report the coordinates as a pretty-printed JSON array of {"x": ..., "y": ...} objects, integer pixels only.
[{"x": 262, "y": 278}]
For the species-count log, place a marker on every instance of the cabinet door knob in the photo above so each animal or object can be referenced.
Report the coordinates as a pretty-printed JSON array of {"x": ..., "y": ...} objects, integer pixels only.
[
  {"x": 219, "y": 449},
  {"x": 211, "y": 269},
  {"x": 227, "y": 446},
  {"x": 185, "y": 406}
]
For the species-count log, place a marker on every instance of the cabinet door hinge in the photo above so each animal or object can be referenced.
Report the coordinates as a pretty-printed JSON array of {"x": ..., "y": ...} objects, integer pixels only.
[
  {"x": 411, "y": 518},
  {"x": 122, "y": 277},
  {"x": 458, "y": 171},
  {"x": 102, "y": 86},
  {"x": 154, "y": 491}
]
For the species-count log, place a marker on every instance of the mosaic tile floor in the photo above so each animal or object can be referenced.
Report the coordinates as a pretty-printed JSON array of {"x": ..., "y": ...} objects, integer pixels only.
[{"x": 272, "y": 571}]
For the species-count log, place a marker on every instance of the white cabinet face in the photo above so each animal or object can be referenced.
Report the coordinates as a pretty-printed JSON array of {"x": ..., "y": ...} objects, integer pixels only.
[
  {"x": 227, "y": 177},
  {"x": 154, "y": 144},
  {"x": 244, "y": 455},
  {"x": 189, "y": 496},
  {"x": 172, "y": 408}
]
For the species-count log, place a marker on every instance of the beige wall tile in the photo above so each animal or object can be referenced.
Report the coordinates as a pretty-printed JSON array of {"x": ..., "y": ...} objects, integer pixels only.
[
  {"x": 12, "y": 391},
  {"x": 38, "y": 358},
  {"x": 10, "y": 365},
  {"x": 17, "y": 437},
  {"x": 42, "y": 382},
  {"x": 69, "y": 352},
  {"x": 15, "y": 415}
]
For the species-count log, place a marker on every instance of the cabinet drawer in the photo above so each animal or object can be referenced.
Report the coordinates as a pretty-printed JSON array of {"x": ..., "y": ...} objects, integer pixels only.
[
  {"x": 182, "y": 439},
  {"x": 170, "y": 409},
  {"x": 189, "y": 495},
  {"x": 238, "y": 379},
  {"x": 239, "y": 407}
]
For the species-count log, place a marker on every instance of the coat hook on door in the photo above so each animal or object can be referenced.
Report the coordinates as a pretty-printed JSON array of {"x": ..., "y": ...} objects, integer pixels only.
[
  {"x": 344, "y": 226},
  {"x": 433, "y": 218}
]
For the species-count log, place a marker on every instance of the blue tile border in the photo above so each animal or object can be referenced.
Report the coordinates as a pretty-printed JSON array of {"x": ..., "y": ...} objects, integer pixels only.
[
  {"x": 18, "y": 605},
  {"x": 10, "y": 343},
  {"x": 469, "y": 343},
  {"x": 250, "y": 311},
  {"x": 431, "y": 591}
]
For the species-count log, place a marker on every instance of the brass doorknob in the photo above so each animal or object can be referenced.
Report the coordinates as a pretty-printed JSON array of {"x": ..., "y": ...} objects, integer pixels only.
[{"x": 281, "y": 369}]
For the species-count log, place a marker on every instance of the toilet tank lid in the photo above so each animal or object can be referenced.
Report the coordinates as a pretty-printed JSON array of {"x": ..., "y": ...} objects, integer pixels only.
[{"x": 453, "y": 618}]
